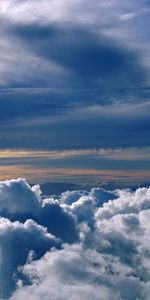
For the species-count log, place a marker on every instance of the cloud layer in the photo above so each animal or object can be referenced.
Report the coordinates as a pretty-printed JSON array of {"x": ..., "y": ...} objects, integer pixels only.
[
  {"x": 74, "y": 71},
  {"x": 76, "y": 245}
]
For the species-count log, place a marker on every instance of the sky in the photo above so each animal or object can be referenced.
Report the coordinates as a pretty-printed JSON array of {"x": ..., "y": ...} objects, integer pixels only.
[
  {"x": 74, "y": 90},
  {"x": 74, "y": 150}
]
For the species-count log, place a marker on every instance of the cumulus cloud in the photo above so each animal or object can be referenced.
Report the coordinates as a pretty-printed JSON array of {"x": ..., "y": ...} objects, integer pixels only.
[
  {"x": 18, "y": 201},
  {"x": 100, "y": 249},
  {"x": 18, "y": 242},
  {"x": 17, "y": 196},
  {"x": 69, "y": 274}
]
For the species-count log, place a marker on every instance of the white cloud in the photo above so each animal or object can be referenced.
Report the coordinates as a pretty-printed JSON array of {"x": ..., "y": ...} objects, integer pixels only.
[
  {"x": 110, "y": 259},
  {"x": 82, "y": 11},
  {"x": 17, "y": 196},
  {"x": 19, "y": 241},
  {"x": 68, "y": 274}
]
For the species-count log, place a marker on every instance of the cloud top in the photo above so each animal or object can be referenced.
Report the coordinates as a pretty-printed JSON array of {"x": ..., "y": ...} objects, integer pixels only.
[{"x": 76, "y": 245}]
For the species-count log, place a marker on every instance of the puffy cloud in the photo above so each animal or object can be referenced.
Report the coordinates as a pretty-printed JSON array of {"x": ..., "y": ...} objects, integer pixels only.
[
  {"x": 58, "y": 221},
  {"x": 83, "y": 204},
  {"x": 79, "y": 273},
  {"x": 67, "y": 274},
  {"x": 17, "y": 196},
  {"x": 18, "y": 201},
  {"x": 18, "y": 242},
  {"x": 106, "y": 255},
  {"x": 70, "y": 197},
  {"x": 127, "y": 202}
]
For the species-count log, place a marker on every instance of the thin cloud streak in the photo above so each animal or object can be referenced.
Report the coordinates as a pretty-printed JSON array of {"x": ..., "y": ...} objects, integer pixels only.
[
  {"x": 134, "y": 153},
  {"x": 72, "y": 174}
]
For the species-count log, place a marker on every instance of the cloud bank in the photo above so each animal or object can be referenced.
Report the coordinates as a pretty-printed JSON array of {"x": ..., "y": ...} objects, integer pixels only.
[{"x": 77, "y": 245}]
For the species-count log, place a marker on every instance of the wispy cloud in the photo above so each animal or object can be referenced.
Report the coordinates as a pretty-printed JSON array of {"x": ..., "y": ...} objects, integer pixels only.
[
  {"x": 75, "y": 76},
  {"x": 76, "y": 175},
  {"x": 107, "y": 153}
]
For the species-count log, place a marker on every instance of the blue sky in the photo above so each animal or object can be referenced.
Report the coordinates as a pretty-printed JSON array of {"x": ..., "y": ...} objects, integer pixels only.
[{"x": 75, "y": 80}]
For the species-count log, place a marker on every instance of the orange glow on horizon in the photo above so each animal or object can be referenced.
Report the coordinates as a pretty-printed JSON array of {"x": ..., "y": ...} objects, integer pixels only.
[{"x": 44, "y": 175}]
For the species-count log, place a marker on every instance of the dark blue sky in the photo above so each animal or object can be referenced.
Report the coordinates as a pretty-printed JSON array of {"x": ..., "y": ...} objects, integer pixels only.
[{"x": 74, "y": 76}]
